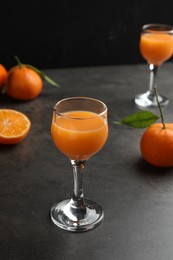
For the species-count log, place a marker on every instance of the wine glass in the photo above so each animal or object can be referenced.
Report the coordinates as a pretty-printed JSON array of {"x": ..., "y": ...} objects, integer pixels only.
[
  {"x": 156, "y": 46},
  {"x": 79, "y": 130}
]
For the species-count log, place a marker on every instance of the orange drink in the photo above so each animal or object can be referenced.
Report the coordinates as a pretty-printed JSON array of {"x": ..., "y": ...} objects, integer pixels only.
[
  {"x": 156, "y": 47},
  {"x": 79, "y": 134}
]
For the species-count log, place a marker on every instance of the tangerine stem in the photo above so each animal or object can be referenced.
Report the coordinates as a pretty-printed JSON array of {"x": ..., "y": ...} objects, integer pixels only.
[
  {"x": 159, "y": 106},
  {"x": 18, "y": 61}
]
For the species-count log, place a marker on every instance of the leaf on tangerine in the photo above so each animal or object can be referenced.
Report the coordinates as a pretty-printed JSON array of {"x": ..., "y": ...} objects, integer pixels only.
[
  {"x": 141, "y": 119},
  {"x": 43, "y": 75},
  {"x": 39, "y": 72}
]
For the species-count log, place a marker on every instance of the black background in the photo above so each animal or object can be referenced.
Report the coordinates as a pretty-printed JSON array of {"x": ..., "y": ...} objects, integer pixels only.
[{"x": 77, "y": 33}]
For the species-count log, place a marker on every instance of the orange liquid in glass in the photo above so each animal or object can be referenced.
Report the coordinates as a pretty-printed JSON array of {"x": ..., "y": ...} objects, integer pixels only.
[
  {"x": 156, "y": 48},
  {"x": 81, "y": 137}
]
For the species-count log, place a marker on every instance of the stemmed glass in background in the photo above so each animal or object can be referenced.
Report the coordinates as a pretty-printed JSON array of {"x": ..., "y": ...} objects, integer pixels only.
[
  {"x": 79, "y": 130},
  {"x": 156, "y": 46}
]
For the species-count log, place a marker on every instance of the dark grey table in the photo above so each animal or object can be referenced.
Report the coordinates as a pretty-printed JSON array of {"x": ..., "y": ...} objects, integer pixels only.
[{"x": 137, "y": 198}]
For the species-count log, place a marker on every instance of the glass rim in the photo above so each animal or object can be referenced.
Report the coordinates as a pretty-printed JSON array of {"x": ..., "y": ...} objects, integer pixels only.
[
  {"x": 162, "y": 28},
  {"x": 62, "y": 114}
]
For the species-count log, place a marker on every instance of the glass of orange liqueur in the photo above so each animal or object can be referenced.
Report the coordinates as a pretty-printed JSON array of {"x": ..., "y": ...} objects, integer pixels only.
[
  {"x": 156, "y": 46},
  {"x": 79, "y": 130}
]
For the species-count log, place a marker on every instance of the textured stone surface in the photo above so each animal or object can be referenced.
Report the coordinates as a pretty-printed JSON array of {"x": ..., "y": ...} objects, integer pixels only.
[{"x": 137, "y": 198}]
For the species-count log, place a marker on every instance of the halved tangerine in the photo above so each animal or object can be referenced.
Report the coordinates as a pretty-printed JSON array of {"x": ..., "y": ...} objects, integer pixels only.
[{"x": 14, "y": 126}]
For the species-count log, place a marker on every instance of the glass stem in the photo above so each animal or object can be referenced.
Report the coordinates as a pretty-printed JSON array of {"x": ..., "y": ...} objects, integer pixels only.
[
  {"x": 153, "y": 75},
  {"x": 78, "y": 171}
]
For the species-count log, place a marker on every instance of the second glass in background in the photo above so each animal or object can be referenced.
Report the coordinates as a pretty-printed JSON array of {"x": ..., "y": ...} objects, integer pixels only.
[{"x": 156, "y": 46}]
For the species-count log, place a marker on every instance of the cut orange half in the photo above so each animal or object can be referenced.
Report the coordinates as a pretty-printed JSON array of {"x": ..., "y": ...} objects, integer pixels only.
[{"x": 14, "y": 126}]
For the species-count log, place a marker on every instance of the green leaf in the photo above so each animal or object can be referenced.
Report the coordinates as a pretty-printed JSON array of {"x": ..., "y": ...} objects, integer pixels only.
[
  {"x": 140, "y": 119},
  {"x": 43, "y": 75},
  {"x": 39, "y": 72},
  {"x": 49, "y": 80}
]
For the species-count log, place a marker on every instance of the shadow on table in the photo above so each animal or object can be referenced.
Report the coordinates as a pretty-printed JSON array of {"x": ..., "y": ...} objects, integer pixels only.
[{"x": 146, "y": 170}]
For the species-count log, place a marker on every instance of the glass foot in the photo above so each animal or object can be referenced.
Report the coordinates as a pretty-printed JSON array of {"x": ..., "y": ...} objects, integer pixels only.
[
  {"x": 147, "y": 100},
  {"x": 77, "y": 219}
]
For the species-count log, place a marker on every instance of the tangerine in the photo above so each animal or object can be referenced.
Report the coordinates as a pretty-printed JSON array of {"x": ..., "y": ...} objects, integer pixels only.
[
  {"x": 14, "y": 126},
  {"x": 23, "y": 83},
  {"x": 3, "y": 76},
  {"x": 157, "y": 145}
]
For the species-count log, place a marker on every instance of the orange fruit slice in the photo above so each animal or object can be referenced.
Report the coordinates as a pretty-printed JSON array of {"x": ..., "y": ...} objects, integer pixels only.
[{"x": 14, "y": 126}]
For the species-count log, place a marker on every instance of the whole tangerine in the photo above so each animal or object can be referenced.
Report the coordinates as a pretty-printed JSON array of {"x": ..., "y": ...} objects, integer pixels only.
[
  {"x": 23, "y": 83},
  {"x": 3, "y": 76},
  {"x": 157, "y": 145}
]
